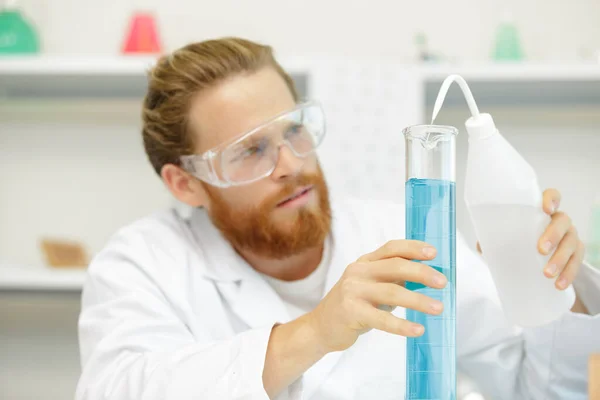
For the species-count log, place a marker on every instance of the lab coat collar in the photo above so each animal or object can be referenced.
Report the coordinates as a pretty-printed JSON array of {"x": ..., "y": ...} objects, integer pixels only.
[
  {"x": 223, "y": 263},
  {"x": 245, "y": 291}
]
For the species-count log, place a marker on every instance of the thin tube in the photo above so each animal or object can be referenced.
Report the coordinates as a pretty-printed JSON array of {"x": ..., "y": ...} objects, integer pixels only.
[{"x": 439, "y": 101}]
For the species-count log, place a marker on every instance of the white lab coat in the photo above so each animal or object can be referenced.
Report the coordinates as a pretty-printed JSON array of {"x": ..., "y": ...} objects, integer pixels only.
[{"x": 170, "y": 311}]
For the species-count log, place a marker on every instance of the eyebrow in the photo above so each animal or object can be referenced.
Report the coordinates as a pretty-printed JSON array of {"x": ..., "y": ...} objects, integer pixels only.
[{"x": 252, "y": 140}]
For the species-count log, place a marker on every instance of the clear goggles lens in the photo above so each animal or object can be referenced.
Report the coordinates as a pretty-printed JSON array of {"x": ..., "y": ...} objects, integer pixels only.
[{"x": 255, "y": 154}]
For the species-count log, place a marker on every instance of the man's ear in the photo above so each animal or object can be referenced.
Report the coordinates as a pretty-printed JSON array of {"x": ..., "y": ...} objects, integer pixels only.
[{"x": 184, "y": 186}]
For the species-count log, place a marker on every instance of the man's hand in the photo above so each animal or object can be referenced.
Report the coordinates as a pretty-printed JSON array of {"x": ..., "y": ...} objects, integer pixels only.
[
  {"x": 562, "y": 236},
  {"x": 351, "y": 307}
]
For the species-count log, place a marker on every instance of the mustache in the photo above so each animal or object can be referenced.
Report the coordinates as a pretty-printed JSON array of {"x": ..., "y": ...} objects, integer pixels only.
[{"x": 290, "y": 188}]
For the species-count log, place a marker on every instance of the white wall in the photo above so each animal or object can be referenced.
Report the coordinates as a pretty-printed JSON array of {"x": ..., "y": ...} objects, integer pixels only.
[
  {"x": 72, "y": 170},
  {"x": 462, "y": 29}
]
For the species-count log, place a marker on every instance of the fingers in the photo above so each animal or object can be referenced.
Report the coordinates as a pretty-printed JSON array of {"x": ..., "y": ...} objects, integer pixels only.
[
  {"x": 568, "y": 275},
  {"x": 555, "y": 232},
  {"x": 384, "y": 321},
  {"x": 567, "y": 259},
  {"x": 565, "y": 250},
  {"x": 551, "y": 201},
  {"x": 398, "y": 270},
  {"x": 409, "y": 249},
  {"x": 395, "y": 295}
]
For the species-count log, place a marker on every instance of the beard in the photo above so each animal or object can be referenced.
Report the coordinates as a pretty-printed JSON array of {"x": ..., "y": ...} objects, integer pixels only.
[{"x": 257, "y": 231}]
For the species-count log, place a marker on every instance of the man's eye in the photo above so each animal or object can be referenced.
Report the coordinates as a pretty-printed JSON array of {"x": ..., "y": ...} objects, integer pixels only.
[
  {"x": 294, "y": 130},
  {"x": 252, "y": 151}
]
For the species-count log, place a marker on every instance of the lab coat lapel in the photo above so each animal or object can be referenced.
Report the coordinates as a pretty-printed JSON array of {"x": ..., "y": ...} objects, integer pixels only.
[
  {"x": 243, "y": 289},
  {"x": 257, "y": 304}
]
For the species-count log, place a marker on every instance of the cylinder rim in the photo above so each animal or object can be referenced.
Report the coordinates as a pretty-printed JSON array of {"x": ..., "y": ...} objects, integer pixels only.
[{"x": 421, "y": 129}]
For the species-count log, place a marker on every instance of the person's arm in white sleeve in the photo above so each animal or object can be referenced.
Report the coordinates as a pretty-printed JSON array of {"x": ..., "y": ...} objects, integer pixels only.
[
  {"x": 511, "y": 363},
  {"x": 134, "y": 345}
]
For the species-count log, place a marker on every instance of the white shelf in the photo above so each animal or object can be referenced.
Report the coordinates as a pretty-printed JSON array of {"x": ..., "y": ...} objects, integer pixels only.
[
  {"x": 76, "y": 77},
  {"x": 517, "y": 85},
  {"x": 44, "y": 65},
  {"x": 73, "y": 77},
  {"x": 22, "y": 278},
  {"x": 515, "y": 72},
  {"x": 45, "y": 77},
  {"x": 138, "y": 65}
]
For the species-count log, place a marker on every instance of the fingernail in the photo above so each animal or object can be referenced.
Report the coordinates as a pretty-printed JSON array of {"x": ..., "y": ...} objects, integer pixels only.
[
  {"x": 551, "y": 269},
  {"x": 418, "y": 329},
  {"x": 439, "y": 280},
  {"x": 429, "y": 251},
  {"x": 436, "y": 306},
  {"x": 546, "y": 247},
  {"x": 561, "y": 283}
]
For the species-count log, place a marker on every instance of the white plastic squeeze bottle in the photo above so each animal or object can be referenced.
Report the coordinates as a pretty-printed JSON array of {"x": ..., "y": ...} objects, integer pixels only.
[{"x": 505, "y": 204}]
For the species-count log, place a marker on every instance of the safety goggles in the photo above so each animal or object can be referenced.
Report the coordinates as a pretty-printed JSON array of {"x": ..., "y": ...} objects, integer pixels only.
[{"x": 254, "y": 154}]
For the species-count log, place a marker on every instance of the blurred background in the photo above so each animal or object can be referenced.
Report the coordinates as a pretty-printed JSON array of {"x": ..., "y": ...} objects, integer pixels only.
[{"x": 73, "y": 170}]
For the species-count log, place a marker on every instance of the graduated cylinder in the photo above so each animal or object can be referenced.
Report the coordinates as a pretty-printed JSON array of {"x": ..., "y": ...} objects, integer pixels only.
[{"x": 430, "y": 217}]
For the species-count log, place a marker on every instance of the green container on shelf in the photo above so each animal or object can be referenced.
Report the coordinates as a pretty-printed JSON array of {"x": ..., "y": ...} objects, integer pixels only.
[
  {"x": 17, "y": 35},
  {"x": 507, "y": 46}
]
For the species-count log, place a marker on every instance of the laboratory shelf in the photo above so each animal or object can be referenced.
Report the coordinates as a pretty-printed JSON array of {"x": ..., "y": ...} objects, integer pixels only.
[
  {"x": 73, "y": 77},
  {"x": 125, "y": 77},
  {"x": 47, "y": 77},
  {"x": 518, "y": 85},
  {"x": 40, "y": 278},
  {"x": 515, "y": 72}
]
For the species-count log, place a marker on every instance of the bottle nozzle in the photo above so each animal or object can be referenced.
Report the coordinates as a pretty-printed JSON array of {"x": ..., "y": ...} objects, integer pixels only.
[
  {"x": 444, "y": 90},
  {"x": 479, "y": 125}
]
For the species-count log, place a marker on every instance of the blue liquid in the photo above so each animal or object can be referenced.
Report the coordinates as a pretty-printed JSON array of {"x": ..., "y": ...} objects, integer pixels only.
[{"x": 431, "y": 358}]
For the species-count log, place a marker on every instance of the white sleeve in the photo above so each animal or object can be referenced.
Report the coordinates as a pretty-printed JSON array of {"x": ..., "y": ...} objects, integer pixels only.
[
  {"x": 134, "y": 345},
  {"x": 511, "y": 363}
]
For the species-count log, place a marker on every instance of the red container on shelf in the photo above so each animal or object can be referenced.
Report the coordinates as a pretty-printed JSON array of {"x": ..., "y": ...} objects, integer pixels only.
[{"x": 142, "y": 35}]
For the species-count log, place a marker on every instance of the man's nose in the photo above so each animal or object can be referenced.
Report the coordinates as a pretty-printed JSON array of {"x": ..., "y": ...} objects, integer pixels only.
[{"x": 287, "y": 164}]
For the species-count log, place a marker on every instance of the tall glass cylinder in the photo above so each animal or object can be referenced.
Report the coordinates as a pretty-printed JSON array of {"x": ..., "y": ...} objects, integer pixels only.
[{"x": 431, "y": 218}]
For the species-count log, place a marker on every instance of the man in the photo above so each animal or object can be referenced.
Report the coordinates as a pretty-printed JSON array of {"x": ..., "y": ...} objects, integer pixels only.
[{"x": 268, "y": 290}]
